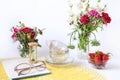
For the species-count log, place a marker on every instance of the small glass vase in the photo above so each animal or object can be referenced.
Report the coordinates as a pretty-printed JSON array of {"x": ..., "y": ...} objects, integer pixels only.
[
  {"x": 33, "y": 55},
  {"x": 82, "y": 55},
  {"x": 24, "y": 50}
]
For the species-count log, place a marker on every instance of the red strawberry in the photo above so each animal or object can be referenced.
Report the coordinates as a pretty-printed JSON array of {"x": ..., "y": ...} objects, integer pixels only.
[
  {"x": 97, "y": 59},
  {"x": 100, "y": 53},
  {"x": 92, "y": 55},
  {"x": 105, "y": 58},
  {"x": 91, "y": 60}
]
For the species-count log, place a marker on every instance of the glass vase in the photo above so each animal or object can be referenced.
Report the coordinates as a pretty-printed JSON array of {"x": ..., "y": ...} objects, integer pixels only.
[
  {"x": 83, "y": 54},
  {"x": 24, "y": 50}
]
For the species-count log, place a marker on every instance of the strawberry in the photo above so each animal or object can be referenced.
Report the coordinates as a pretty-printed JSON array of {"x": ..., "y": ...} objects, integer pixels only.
[
  {"x": 105, "y": 58},
  {"x": 91, "y": 61},
  {"x": 97, "y": 59},
  {"x": 92, "y": 55},
  {"x": 100, "y": 53}
]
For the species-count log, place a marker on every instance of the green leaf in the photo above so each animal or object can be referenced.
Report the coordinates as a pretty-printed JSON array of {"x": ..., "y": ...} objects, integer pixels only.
[
  {"x": 110, "y": 54},
  {"x": 33, "y": 59},
  {"x": 95, "y": 43},
  {"x": 39, "y": 45},
  {"x": 71, "y": 46},
  {"x": 33, "y": 51},
  {"x": 99, "y": 0}
]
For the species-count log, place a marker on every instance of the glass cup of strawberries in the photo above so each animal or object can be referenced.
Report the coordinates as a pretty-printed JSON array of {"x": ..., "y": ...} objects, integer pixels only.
[{"x": 99, "y": 59}]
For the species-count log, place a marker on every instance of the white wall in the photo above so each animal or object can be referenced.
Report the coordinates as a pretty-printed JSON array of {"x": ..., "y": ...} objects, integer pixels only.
[{"x": 52, "y": 15}]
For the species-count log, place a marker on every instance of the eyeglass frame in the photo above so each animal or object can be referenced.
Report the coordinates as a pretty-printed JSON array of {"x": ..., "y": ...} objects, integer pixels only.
[{"x": 19, "y": 71}]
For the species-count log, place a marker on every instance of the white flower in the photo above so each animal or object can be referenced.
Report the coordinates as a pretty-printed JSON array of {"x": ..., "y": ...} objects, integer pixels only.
[
  {"x": 80, "y": 6},
  {"x": 72, "y": 20},
  {"x": 83, "y": 0},
  {"x": 70, "y": 3}
]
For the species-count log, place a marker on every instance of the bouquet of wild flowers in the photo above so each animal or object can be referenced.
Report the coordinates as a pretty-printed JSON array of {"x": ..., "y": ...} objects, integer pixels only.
[
  {"x": 86, "y": 22},
  {"x": 25, "y": 35}
]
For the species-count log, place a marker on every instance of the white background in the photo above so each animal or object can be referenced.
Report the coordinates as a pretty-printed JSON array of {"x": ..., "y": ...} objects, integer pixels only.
[{"x": 52, "y": 15}]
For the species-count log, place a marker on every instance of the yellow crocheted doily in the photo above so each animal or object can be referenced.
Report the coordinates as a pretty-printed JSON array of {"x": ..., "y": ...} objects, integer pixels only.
[{"x": 69, "y": 72}]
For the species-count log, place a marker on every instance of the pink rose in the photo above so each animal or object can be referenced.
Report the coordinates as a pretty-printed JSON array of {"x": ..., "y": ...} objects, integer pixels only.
[
  {"x": 94, "y": 13},
  {"x": 16, "y": 30},
  {"x": 14, "y": 37}
]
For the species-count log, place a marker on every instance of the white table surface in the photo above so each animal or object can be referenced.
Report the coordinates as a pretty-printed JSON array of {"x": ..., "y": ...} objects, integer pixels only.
[{"x": 111, "y": 72}]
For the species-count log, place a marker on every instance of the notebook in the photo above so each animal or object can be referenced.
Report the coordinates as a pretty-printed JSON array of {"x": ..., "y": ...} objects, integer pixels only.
[{"x": 9, "y": 66}]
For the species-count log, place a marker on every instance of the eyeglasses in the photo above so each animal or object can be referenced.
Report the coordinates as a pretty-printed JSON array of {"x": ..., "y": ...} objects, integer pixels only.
[{"x": 26, "y": 68}]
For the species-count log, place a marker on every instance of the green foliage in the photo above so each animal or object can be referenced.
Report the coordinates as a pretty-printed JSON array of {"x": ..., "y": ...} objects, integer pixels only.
[
  {"x": 95, "y": 43},
  {"x": 33, "y": 59},
  {"x": 71, "y": 46}
]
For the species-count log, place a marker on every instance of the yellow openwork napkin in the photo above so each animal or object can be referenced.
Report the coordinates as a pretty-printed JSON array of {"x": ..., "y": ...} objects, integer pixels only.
[
  {"x": 67, "y": 72},
  {"x": 3, "y": 75},
  {"x": 70, "y": 72}
]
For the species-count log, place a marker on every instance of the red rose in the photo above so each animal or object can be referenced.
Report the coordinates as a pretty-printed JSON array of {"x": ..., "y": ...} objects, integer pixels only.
[
  {"x": 25, "y": 30},
  {"x": 84, "y": 19},
  {"x": 105, "y": 17}
]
